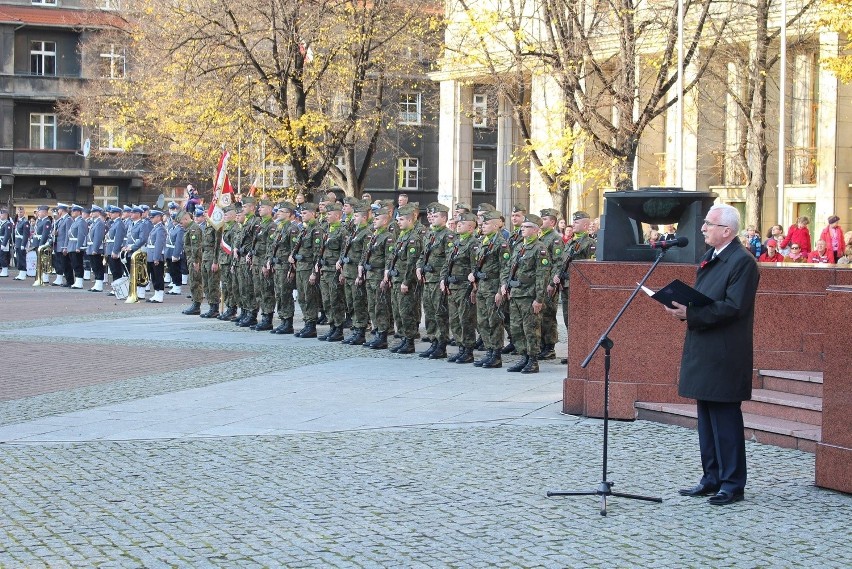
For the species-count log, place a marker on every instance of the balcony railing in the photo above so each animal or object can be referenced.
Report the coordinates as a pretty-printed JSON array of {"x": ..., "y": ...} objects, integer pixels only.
[{"x": 800, "y": 165}]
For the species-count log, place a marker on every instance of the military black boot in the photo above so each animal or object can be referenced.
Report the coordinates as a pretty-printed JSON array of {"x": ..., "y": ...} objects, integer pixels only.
[
  {"x": 309, "y": 330},
  {"x": 381, "y": 342},
  {"x": 322, "y": 318},
  {"x": 395, "y": 348},
  {"x": 265, "y": 324},
  {"x": 547, "y": 352},
  {"x": 240, "y": 317},
  {"x": 212, "y": 313},
  {"x": 532, "y": 366},
  {"x": 280, "y": 328},
  {"x": 407, "y": 347},
  {"x": 452, "y": 359},
  {"x": 193, "y": 310},
  {"x": 327, "y": 335},
  {"x": 510, "y": 347},
  {"x": 520, "y": 365},
  {"x": 465, "y": 357},
  {"x": 440, "y": 352},
  {"x": 488, "y": 355},
  {"x": 288, "y": 325},
  {"x": 480, "y": 345},
  {"x": 336, "y": 334},
  {"x": 494, "y": 362},
  {"x": 430, "y": 350},
  {"x": 250, "y": 321},
  {"x": 359, "y": 339},
  {"x": 229, "y": 314}
]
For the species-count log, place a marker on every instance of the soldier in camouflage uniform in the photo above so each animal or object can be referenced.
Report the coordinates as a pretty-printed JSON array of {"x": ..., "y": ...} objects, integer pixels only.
[
  {"x": 226, "y": 258},
  {"x": 331, "y": 290},
  {"x": 354, "y": 287},
  {"x": 454, "y": 283},
  {"x": 303, "y": 256},
  {"x": 581, "y": 246},
  {"x": 264, "y": 287},
  {"x": 429, "y": 268},
  {"x": 245, "y": 279},
  {"x": 519, "y": 211},
  {"x": 192, "y": 248},
  {"x": 526, "y": 286},
  {"x": 552, "y": 239},
  {"x": 400, "y": 271},
  {"x": 279, "y": 251},
  {"x": 210, "y": 249},
  {"x": 371, "y": 269},
  {"x": 490, "y": 257}
]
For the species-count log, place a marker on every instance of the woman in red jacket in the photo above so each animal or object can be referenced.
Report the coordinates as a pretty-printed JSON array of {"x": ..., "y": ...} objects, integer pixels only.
[
  {"x": 833, "y": 237},
  {"x": 799, "y": 234}
]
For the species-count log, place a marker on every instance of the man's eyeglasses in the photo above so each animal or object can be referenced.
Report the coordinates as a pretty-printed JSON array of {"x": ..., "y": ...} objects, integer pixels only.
[{"x": 709, "y": 224}]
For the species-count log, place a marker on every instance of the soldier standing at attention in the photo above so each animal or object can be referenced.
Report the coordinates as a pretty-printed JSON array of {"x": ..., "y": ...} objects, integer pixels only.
[
  {"x": 454, "y": 284},
  {"x": 22, "y": 244},
  {"x": 77, "y": 233},
  {"x": 279, "y": 251},
  {"x": 236, "y": 273},
  {"x": 331, "y": 291},
  {"x": 429, "y": 267},
  {"x": 264, "y": 288},
  {"x": 95, "y": 247},
  {"x": 306, "y": 244},
  {"x": 174, "y": 251},
  {"x": 525, "y": 285},
  {"x": 581, "y": 246},
  {"x": 60, "y": 245},
  {"x": 372, "y": 270},
  {"x": 210, "y": 238},
  {"x": 156, "y": 250},
  {"x": 42, "y": 233},
  {"x": 552, "y": 239},
  {"x": 354, "y": 287},
  {"x": 192, "y": 237},
  {"x": 491, "y": 257},
  {"x": 6, "y": 230},
  {"x": 248, "y": 298},
  {"x": 114, "y": 242},
  {"x": 226, "y": 265},
  {"x": 400, "y": 272}
]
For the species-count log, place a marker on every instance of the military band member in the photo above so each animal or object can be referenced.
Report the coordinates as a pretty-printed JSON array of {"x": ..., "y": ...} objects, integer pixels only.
[
  {"x": 355, "y": 288},
  {"x": 61, "y": 263},
  {"x": 114, "y": 243},
  {"x": 264, "y": 287},
  {"x": 525, "y": 285},
  {"x": 169, "y": 218},
  {"x": 42, "y": 234},
  {"x": 156, "y": 250},
  {"x": 491, "y": 257},
  {"x": 371, "y": 269},
  {"x": 245, "y": 279},
  {"x": 7, "y": 229},
  {"x": 331, "y": 290},
  {"x": 401, "y": 274},
  {"x": 230, "y": 288},
  {"x": 22, "y": 244},
  {"x": 192, "y": 238},
  {"x": 552, "y": 239},
  {"x": 279, "y": 251},
  {"x": 303, "y": 258},
  {"x": 95, "y": 247},
  {"x": 175, "y": 257},
  {"x": 210, "y": 237},
  {"x": 429, "y": 267},
  {"x": 77, "y": 233}
]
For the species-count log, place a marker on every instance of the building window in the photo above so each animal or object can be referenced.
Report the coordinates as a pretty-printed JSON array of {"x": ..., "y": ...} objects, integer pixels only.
[
  {"x": 480, "y": 110},
  {"x": 478, "y": 176},
  {"x": 408, "y": 170},
  {"x": 111, "y": 137},
  {"x": 106, "y": 196},
  {"x": 110, "y": 4},
  {"x": 112, "y": 59},
  {"x": 43, "y": 58},
  {"x": 43, "y": 131},
  {"x": 278, "y": 175},
  {"x": 409, "y": 108}
]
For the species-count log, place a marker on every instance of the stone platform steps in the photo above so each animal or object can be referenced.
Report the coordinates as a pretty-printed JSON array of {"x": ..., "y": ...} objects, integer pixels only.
[{"x": 785, "y": 410}]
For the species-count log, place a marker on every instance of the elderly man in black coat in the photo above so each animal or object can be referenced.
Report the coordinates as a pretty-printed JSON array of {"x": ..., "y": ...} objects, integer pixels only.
[{"x": 717, "y": 364}]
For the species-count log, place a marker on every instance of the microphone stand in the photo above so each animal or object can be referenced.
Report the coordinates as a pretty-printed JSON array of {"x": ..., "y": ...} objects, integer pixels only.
[{"x": 604, "y": 489}]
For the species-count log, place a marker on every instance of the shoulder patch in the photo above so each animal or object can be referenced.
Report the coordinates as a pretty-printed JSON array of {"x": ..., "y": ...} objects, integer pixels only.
[
  {"x": 506, "y": 255},
  {"x": 545, "y": 262}
]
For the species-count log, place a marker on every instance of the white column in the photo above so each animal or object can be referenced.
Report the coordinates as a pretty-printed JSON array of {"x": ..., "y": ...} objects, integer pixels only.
[
  {"x": 831, "y": 157},
  {"x": 456, "y": 144},
  {"x": 507, "y": 193}
]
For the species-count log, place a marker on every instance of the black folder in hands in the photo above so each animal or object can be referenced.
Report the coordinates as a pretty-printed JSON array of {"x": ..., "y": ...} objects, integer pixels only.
[{"x": 680, "y": 292}]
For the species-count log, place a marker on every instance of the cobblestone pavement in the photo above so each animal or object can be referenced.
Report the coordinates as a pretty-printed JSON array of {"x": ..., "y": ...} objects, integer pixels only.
[{"x": 294, "y": 453}]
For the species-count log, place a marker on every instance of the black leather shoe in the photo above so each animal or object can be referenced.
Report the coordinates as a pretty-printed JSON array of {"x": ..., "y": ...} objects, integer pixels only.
[
  {"x": 723, "y": 498},
  {"x": 465, "y": 357},
  {"x": 520, "y": 365},
  {"x": 698, "y": 490}
]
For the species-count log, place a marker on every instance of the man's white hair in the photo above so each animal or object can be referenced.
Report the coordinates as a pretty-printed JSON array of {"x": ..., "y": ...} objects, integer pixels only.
[{"x": 729, "y": 216}]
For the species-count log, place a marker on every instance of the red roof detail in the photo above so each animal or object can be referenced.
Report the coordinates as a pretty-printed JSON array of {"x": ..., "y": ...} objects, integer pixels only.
[{"x": 58, "y": 17}]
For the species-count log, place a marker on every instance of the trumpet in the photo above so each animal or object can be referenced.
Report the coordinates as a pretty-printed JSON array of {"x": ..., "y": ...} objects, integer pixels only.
[
  {"x": 44, "y": 264},
  {"x": 138, "y": 275}
]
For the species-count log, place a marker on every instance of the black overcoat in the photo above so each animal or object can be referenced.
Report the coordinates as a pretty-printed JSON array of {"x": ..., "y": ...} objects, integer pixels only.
[{"x": 718, "y": 353}]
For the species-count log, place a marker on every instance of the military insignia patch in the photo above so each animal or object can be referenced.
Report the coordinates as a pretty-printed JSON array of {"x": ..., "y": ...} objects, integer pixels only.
[
  {"x": 558, "y": 250},
  {"x": 506, "y": 255},
  {"x": 545, "y": 262},
  {"x": 412, "y": 249},
  {"x": 316, "y": 241}
]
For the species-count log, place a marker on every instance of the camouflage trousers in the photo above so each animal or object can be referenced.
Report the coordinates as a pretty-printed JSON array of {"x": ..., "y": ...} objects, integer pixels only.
[
  {"x": 549, "y": 331},
  {"x": 526, "y": 326},
  {"x": 309, "y": 295},
  {"x": 333, "y": 299},
  {"x": 564, "y": 294},
  {"x": 284, "y": 292},
  {"x": 489, "y": 318},
  {"x": 356, "y": 302},
  {"x": 462, "y": 316},
  {"x": 211, "y": 281},
  {"x": 406, "y": 306},
  {"x": 379, "y": 306},
  {"x": 264, "y": 289},
  {"x": 436, "y": 311},
  {"x": 229, "y": 285},
  {"x": 196, "y": 284},
  {"x": 247, "y": 298}
]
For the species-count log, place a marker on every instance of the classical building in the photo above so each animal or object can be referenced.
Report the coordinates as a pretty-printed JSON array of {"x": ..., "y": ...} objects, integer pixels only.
[
  {"x": 815, "y": 172},
  {"x": 43, "y": 159}
]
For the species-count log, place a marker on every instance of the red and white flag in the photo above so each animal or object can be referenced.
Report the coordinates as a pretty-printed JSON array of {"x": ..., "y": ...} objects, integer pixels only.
[{"x": 223, "y": 193}]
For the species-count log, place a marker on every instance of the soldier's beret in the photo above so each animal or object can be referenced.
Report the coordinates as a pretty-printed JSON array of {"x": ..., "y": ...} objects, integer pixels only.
[
  {"x": 436, "y": 207},
  {"x": 362, "y": 207},
  {"x": 387, "y": 203},
  {"x": 407, "y": 209},
  {"x": 466, "y": 217},
  {"x": 492, "y": 214},
  {"x": 309, "y": 206},
  {"x": 463, "y": 207},
  {"x": 247, "y": 200},
  {"x": 549, "y": 212},
  {"x": 382, "y": 211},
  {"x": 265, "y": 203},
  {"x": 485, "y": 207},
  {"x": 532, "y": 218},
  {"x": 333, "y": 207},
  {"x": 290, "y": 206},
  {"x": 579, "y": 215},
  {"x": 519, "y": 208},
  {"x": 224, "y": 209},
  {"x": 351, "y": 200}
]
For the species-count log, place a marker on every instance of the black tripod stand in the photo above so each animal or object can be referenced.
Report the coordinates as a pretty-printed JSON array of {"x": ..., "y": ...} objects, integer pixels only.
[{"x": 604, "y": 489}]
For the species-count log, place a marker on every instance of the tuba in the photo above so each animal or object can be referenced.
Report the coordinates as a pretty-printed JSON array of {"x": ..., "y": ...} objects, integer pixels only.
[
  {"x": 138, "y": 275},
  {"x": 44, "y": 263}
]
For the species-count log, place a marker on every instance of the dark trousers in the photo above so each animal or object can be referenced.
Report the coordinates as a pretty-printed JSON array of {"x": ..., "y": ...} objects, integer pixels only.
[
  {"x": 174, "y": 272},
  {"x": 5, "y": 257},
  {"x": 68, "y": 268},
  {"x": 97, "y": 263},
  {"x": 723, "y": 454},
  {"x": 116, "y": 268},
  {"x": 21, "y": 259},
  {"x": 76, "y": 263},
  {"x": 157, "y": 274}
]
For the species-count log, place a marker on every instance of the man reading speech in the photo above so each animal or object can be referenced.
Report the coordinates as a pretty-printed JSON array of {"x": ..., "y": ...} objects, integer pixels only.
[{"x": 718, "y": 352}]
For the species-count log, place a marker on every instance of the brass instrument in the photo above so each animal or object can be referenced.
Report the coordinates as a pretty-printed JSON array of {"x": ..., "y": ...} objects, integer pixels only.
[
  {"x": 44, "y": 263},
  {"x": 138, "y": 275}
]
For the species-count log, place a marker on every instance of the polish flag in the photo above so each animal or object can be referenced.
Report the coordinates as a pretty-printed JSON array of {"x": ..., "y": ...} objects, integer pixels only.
[{"x": 223, "y": 193}]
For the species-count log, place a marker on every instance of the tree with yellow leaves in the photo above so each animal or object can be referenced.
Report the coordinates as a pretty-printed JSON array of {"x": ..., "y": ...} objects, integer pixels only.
[{"x": 836, "y": 15}]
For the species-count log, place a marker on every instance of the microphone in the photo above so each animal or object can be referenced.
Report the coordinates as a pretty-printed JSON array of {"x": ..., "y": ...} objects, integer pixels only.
[{"x": 679, "y": 242}]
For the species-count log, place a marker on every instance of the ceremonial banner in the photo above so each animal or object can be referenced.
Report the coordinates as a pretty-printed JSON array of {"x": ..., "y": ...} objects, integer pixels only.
[{"x": 223, "y": 193}]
